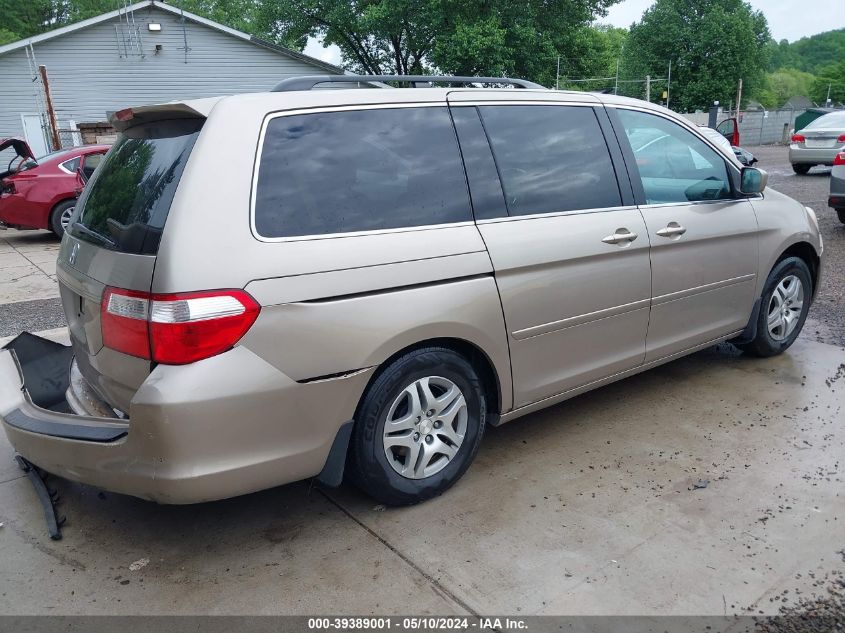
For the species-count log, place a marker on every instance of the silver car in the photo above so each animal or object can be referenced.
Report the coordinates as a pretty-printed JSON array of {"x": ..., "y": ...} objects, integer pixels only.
[
  {"x": 818, "y": 143},
  {"x": 837, "y": 186},
  {"x": 373, "y": 276}
]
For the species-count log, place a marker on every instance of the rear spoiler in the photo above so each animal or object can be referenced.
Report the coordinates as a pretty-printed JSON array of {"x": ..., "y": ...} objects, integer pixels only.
[{"x": 130, "y": 117}]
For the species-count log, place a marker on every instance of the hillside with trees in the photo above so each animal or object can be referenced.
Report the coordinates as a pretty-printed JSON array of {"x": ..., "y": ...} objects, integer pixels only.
[{"x": 807, "y": 67}]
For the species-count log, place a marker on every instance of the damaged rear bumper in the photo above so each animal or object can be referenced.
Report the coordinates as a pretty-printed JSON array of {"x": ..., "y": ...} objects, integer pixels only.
[{"x": 225, "y": 426}]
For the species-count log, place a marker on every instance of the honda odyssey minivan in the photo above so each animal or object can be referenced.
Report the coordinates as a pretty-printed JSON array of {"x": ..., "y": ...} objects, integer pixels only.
[{"x": 302, "y": 283}]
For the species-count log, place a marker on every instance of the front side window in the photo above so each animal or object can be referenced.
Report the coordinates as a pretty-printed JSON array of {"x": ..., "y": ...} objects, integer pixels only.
[
  {"x": 674, "y": 164},
  {"x": 551, "y": 158},
  {"x": 359, "y": 170},
  {"x": 90, "y": 164}
]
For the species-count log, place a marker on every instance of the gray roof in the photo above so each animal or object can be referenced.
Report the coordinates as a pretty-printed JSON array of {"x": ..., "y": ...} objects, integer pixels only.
[{"x": 176, "y": 11}]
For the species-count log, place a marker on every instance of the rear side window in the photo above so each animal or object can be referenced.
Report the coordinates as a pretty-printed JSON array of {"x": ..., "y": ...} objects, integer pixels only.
[
  {"x": 359, "y": 170},
  {"x": 126, "y": 202},
  {"x": 551, "y": 158}
]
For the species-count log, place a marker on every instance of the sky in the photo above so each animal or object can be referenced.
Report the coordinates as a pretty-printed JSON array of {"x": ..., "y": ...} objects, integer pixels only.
[{"x": 788, "y": 19}]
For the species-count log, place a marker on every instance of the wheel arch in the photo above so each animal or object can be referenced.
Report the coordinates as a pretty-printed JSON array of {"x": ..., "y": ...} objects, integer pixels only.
[
  {"x": 335, "y": 467},
  {"x": 806, "y": 252},
  {"x": 55, "y": 208},
  {"x": 476, "y": 356}
]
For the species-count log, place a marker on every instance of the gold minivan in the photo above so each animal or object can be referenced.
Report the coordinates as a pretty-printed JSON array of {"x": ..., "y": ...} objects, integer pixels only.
[{"x": 354, "y": 282}]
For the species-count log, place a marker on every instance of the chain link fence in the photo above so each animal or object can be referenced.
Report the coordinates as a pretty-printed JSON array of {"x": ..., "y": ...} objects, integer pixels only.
[{"x": 758, "y": 127}]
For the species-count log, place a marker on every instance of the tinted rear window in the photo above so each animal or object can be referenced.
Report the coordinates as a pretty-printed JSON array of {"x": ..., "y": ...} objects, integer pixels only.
[
  {"x": 359, "y": 170},
  {"x": 834, "y": 119},
  {"x": 125, "y": 205},
  {"x": 551, "y": 158}
]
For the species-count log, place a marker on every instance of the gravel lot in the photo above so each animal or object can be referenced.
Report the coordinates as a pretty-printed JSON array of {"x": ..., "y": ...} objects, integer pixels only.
[{"x": 826, "y": 322}]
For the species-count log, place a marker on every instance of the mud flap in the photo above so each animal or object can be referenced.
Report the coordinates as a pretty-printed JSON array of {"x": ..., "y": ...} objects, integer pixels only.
[
  {"x": 332, "y": 473},
  {"x": 750, "y": 331},
  {"x": 46, "y": 370}
]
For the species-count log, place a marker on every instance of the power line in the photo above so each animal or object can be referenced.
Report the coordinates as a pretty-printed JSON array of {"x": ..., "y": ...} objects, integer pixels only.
[{"x": 621, "y": 81}]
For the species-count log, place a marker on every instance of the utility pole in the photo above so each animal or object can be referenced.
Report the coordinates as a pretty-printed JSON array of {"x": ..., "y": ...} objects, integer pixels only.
[
  {"x": 51, "y": 113},
  {"x": 557, "y": 74},
  {"x": 648, "y": 87},
  {"x": 616, "y": 85},
  {"x": 738, "y": 96},
  {"x": 669, "y": 84},
  {"x": 827, "y": 101}
]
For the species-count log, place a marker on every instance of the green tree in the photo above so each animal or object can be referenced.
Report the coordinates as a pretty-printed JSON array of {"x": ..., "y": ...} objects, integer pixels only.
[
  {"x": 484, "y": 37},
  {"x": 711, "y": 44},
  {"x": 24, "y": 19},
  {"x": 783, "y": 84},
  {"x": 830, "y": 77},
  {"x": 7, "y": 37},
  {"x": 813, "y": 53}
]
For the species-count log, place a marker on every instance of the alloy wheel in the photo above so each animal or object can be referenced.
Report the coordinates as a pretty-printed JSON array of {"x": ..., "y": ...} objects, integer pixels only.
[
  {"x": 64, "y": 220},
  {"x": 785, "y": 307},
  {"x": 425, "y": 427}
]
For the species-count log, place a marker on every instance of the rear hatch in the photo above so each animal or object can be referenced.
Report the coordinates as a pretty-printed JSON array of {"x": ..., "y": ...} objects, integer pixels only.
[{"x": 113, "y": 240}]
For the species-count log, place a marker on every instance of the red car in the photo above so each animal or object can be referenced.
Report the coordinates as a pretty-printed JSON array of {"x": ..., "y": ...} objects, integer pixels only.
[{"x": 40, "y": 193}]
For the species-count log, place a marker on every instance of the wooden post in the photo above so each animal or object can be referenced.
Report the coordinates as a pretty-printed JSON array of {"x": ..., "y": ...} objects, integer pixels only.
[{"x": 51, "y": 113}]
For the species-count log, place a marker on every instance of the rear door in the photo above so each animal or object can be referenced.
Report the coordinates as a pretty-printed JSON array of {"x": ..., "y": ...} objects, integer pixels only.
[
  {"x": 703, "y": 236},
  {"x": 568, "y": 246},
  {"x": 113, "y": 241}
]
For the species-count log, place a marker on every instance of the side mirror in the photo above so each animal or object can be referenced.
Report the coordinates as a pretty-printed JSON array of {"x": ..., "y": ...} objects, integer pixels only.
[{"x": 753, "y": 180}]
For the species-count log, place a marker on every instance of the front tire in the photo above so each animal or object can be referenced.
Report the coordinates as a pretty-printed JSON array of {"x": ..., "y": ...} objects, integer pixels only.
[
  {"x": 783, "y": 308},
  {"x": 802, "y": 170},
  {"x": 60, "y": 217},
  {"x": 418, "y": 427},
  {"x": 841, "y": 214}
]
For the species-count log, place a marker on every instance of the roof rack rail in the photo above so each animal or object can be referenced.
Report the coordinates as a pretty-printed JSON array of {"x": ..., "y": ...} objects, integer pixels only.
[{"x": 308, "y": 82}]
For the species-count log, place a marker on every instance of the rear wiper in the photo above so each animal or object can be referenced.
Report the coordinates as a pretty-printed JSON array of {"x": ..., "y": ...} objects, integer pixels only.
[{"x": 84, "y": 229}]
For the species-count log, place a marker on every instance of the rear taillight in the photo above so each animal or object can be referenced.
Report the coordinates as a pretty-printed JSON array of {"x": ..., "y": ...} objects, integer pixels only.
[
  {"x": 798, "y": 138},
  {"x": 175, "y": 329},
  {"x": 841, "y": 138},
  {"x": 839, "y": 159}
]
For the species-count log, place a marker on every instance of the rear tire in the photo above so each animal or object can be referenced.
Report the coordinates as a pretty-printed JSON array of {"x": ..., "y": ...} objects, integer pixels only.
[
  {"x": 60, "y": 216},
  {"x": 783, "y": 308},
  {"x": 801, "y": 169},
  {"x": 418, "y": 427},
  {"x": 841, "y": 214}
]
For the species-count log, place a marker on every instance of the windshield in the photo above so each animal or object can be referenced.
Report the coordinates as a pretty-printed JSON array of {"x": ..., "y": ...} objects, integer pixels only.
[{"x": 126, "y": 203}]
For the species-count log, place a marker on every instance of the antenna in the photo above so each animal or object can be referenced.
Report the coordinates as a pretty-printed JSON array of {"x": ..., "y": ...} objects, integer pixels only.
[
  {"x": 185, "y": 46},
  {"x": 38, "y": 91},
  {"x": 128, "y": 35}
]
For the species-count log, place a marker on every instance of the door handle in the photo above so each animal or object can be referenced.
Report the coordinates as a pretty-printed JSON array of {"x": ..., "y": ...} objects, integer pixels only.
[
  {"x": 620, "y": 236},
  {"x": 671, "y": 230}
]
